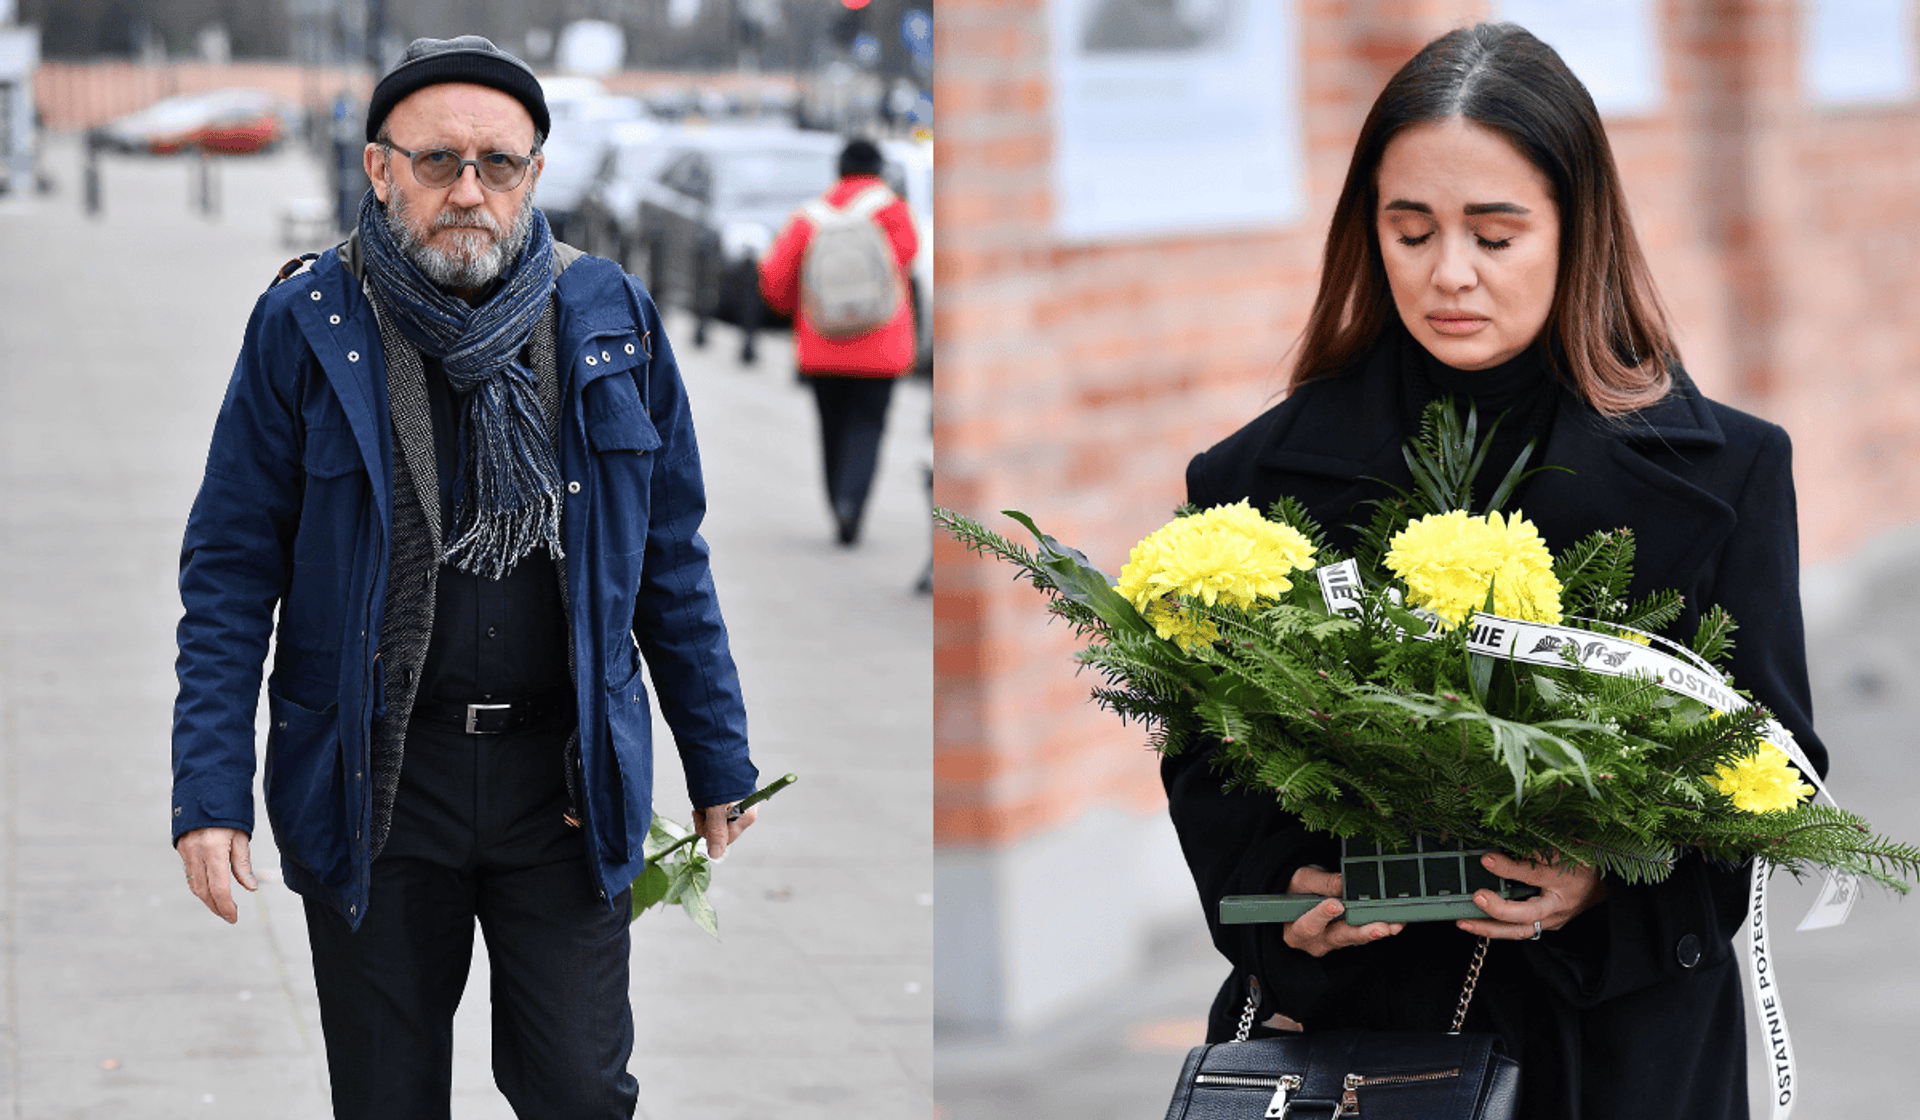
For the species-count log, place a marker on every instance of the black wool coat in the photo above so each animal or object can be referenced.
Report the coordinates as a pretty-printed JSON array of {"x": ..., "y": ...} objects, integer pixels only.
[{"x": 1633, "y": 1010}]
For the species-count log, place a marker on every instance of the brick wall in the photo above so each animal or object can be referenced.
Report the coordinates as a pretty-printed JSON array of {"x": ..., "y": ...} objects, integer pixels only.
[{"x": 1076, "y": 381}]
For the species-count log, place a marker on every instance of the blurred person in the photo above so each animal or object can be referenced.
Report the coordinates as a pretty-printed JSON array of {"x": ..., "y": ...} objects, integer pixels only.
[
  {"x": 839, "y": 266},
  {"x": 456, "y": 456},
  {"x": 1481, "y": 247}
]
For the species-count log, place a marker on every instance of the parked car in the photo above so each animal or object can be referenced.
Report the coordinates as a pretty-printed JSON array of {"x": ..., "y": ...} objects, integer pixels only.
[
  {"x": 713, "y": 209},
  {"x": 224, "y": 121},
  {"x": 607, "y": 221},
  {"x": 584, "y": 116}
]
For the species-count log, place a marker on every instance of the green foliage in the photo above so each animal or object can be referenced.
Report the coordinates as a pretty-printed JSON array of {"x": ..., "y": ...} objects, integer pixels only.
[
  {"x": 677, "y": 870},
  {"x": 1444, "y": 459},
  {"x": 1365, "y": 725},
  {"x": 1713, "y": 640}
]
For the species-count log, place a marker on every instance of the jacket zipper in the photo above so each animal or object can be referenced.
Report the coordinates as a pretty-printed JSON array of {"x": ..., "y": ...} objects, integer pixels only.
[
  {"x": 1350, "y": 1100},
  {"x": 1281, "y": 1086}
]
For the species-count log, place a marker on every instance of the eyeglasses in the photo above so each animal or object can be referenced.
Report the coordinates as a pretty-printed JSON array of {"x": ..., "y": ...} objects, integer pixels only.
[{"x": 437, "y": 167}]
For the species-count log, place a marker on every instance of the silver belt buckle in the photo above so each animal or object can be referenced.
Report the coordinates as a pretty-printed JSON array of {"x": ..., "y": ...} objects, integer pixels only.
[{"x": 473, "y": 713}]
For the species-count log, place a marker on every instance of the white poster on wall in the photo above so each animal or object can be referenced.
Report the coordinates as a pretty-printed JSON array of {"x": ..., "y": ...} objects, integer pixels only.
[
  {"x": 1174, "y": 115},
  {"x": 1858, "y": 50},
  {"x": 1612, "y": 46}
]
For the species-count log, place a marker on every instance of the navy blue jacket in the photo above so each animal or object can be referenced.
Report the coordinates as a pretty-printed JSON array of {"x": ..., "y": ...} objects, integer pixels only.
[
  {"x": 295, "y": 516},
  {"x": 1634, "y": 1008}
]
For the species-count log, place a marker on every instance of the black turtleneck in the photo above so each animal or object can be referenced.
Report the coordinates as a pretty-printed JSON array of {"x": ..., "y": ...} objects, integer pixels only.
[{"x": 1521, "y": 393}]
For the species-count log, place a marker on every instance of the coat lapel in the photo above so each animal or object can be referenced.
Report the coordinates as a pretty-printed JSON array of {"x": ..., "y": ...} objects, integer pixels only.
[
  {"x": 1348, "y": 431},
  {"x": 1615, "y": 477}
]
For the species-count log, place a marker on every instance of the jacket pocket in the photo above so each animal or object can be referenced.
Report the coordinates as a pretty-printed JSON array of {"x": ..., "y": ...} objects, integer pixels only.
[
  {"x": 624, "y": 442},
  {"x": 333, "y": 510},
  {"x": 630, "y": 735},
  {"x": 305, "y": 787}
]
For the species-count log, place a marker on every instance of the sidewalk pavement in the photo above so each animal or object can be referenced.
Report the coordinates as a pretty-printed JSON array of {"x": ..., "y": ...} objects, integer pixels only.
[
  {"x": 121, "y": 996},
  {"x": 1850, "y": 993}
]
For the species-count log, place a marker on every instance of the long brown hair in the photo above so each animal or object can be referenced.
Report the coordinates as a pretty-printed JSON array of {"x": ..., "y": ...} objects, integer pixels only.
[{"x": 1609, "y": 328}]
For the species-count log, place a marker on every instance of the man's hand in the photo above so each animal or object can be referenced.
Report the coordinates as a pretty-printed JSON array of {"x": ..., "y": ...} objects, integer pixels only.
[
  {"x": 714, "y": 827},
  {"x": 208, "y": 853},
  {"x": 1321, "y": 930}
]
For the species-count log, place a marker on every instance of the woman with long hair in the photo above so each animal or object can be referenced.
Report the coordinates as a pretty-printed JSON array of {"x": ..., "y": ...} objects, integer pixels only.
[{"x": 1481, "y": 249}]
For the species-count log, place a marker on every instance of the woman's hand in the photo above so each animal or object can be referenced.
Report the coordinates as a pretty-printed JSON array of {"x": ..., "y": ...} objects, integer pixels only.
[
  {"x": 1322, "y": 929},
  {"x": 1565, "y": 890}
]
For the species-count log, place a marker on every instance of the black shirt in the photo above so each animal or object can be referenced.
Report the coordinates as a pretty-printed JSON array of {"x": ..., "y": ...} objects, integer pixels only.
[
  {"x": 1516, "y": 400},
  {"x": 502, "y": 639}
]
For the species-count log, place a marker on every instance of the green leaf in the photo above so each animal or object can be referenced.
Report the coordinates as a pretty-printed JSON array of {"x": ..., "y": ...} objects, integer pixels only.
[
  {"x": 649, "y": 890},
  {"x": 693, "y": 899},
  {"x": 1480, "y": 675},
  {"x": 1413, "y": 624},
  {"x": 1078, "y": 580},
  {"x": 663, "y": 836}
]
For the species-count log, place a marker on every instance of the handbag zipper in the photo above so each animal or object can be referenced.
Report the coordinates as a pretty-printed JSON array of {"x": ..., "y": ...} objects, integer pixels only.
[
  {"x": 1350, "y": 1100},
  {"x": 1281, "y": 1086}
]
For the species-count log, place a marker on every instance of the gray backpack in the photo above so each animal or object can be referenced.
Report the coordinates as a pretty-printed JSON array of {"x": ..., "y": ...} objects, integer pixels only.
[{"x": 849, "y": 284}]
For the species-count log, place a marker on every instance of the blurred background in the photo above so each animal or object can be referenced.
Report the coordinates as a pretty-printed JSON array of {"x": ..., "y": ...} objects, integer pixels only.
[
  {"x": 685, "y": 131},
  {"x": 1134, "y": 197},
  {"x": 159, "y": 162}
]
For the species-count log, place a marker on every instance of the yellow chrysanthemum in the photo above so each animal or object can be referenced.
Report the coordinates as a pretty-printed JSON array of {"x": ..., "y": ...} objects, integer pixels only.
[
  {"x": 1228, "y": 554},
  {"x": 1448, "y": 559},
  {"x": 1180, "y": 624},
  {"x": 1762, "y": 782}
]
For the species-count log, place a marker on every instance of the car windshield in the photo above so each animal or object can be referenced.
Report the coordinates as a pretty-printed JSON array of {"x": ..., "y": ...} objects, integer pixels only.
[{"x": 772, "y": 179}]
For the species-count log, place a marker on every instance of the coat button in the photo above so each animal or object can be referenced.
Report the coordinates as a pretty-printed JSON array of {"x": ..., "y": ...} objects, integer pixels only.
[
  {"x": 314, "y": 295},
  {"x": 353, "y": 909},
  {"x": 605, "y": 357},
  {"x": 333, "y": 320},
  {"x": 573, "y": 487},
  {"x": 629, "y": 347},
  {"x": 353, "y": 355},
  {"x": 1688, "y": 951},
  {"x": 176, "y": 810},
  {"x": 592, "y": 361}
]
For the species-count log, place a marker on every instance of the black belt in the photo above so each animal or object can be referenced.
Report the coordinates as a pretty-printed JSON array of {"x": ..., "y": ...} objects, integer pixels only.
[{"x": 493, "y": 717}]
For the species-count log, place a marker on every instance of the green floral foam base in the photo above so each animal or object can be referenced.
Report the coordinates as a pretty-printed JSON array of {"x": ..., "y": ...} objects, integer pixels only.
[{"x": 1433, "y": 882}]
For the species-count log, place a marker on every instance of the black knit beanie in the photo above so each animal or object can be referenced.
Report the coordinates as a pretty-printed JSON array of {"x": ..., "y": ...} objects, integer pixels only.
[{"x": 469, "y": 58}]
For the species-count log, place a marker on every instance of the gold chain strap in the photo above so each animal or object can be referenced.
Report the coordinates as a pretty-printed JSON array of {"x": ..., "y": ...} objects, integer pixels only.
[
  {"x": 1459, "y": 1016},
  {"x": 1466, "y": 990}
]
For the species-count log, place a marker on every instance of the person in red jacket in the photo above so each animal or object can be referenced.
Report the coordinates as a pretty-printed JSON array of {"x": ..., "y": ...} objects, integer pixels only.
[{"x": 853, "y": 320}]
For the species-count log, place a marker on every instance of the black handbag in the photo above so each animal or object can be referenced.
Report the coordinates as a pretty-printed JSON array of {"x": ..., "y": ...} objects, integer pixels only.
[{"x": 1377, "y": 1075}]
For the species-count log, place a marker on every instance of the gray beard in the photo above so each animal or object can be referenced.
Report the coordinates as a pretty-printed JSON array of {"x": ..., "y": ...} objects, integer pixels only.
[{"x": 461, "y": 271}]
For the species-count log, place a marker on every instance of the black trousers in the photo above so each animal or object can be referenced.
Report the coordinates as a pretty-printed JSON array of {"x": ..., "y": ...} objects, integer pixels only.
[
  {"x": 853, "y": 414},
  {"x": 477, "y": 836}
]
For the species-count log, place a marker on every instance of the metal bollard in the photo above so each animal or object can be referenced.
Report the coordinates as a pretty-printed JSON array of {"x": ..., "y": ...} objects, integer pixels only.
[
  {"x": 208, "y": 186},
  {"x": 91, "y": 182}
]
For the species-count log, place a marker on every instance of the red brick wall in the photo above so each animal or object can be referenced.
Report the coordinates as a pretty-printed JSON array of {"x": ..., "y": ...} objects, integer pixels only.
[{"x": 1076, "y": 381}]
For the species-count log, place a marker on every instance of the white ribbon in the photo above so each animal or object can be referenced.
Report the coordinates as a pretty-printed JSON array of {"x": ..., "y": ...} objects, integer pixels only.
[{"x": 1536, "y": 643}]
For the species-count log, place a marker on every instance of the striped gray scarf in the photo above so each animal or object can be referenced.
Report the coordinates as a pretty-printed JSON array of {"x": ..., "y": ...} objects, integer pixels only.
[{"x": 510, "y": 496}]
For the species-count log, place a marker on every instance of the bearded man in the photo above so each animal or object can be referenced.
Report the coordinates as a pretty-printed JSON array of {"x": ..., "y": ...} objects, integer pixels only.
[{"x": 456, "y": 458}]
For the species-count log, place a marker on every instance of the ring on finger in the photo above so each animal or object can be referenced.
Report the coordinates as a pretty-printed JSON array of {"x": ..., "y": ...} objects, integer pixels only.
[{"x": 1536, "y": 932}]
